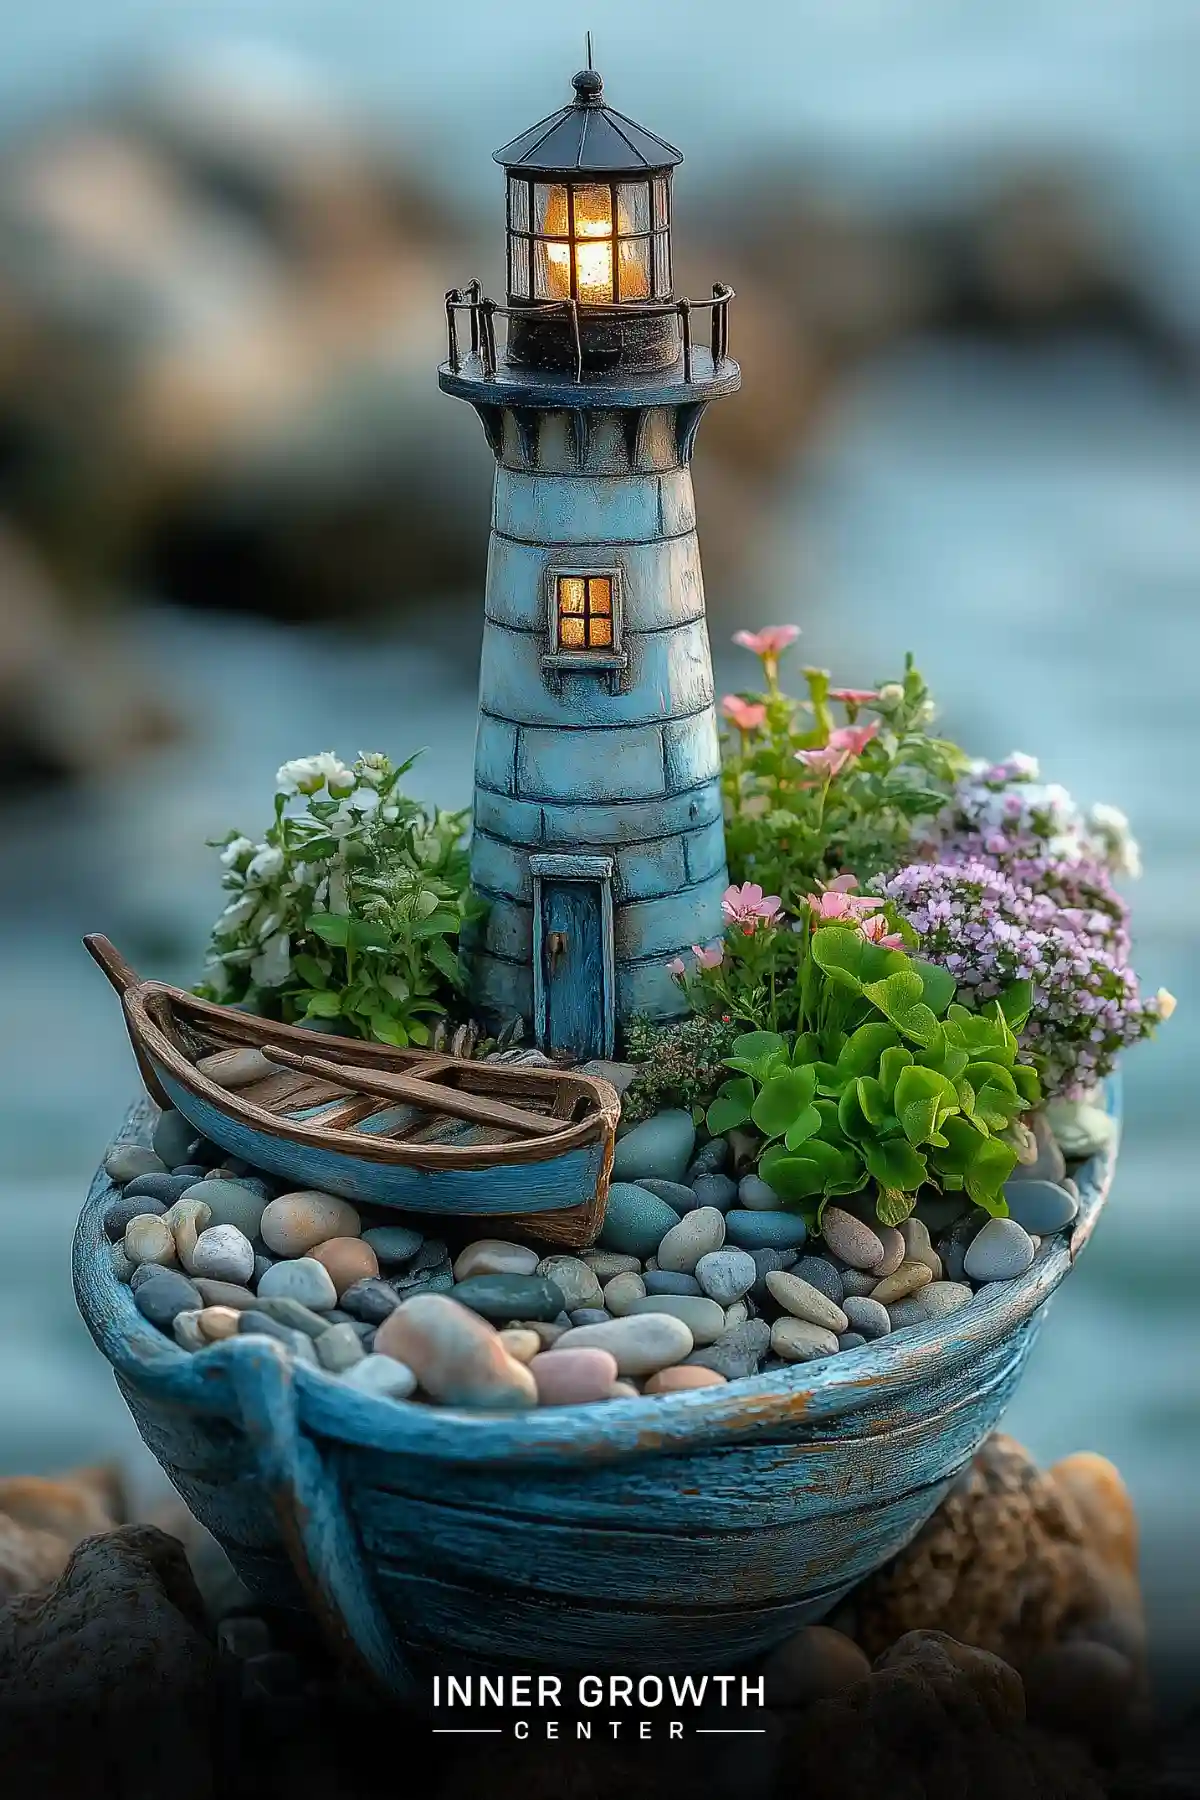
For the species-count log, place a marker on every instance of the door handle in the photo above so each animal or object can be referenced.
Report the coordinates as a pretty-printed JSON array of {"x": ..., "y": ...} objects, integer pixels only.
[{"x": 556, "y": 945}]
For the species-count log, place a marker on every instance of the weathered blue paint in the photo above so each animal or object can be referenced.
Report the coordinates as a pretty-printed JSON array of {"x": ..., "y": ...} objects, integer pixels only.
[
  {"x": 574, "y": 982},
  {"x": 615, "y": 749},
  {"x": 684, "y": 1532},
  {"x": 562, "y": 1181}
]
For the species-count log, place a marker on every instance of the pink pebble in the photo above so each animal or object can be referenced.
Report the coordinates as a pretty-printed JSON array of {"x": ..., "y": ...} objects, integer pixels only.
[
  {"x": 571, "y": 1377},
  {"x": 682, "y": 1376}
]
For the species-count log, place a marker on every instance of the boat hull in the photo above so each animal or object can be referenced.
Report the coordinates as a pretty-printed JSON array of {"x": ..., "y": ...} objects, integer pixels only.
[{"x": 683, "y": 1532}]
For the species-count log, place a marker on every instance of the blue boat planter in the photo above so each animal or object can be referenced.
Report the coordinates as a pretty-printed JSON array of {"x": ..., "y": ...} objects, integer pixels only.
[{"x": 688, "y": 1531}]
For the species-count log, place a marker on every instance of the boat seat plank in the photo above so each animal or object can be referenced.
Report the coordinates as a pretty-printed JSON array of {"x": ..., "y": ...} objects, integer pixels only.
[
  {"x": 313, "y": 1095},
  {"x": 481, "y": 1109},
  {"x": 273, "y": 1090}
]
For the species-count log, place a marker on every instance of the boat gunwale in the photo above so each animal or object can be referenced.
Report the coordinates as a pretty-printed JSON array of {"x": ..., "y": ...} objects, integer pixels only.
[
  {"x": 753, "y": 1409},
  {"x": 599, "y": 1124}
]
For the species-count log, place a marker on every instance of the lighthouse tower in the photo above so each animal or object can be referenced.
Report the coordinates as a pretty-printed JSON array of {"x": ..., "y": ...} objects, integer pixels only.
[{"x": 598, "y": 841}]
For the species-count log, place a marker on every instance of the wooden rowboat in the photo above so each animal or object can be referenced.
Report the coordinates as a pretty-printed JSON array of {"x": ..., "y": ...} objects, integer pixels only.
[{"x": 412, "y": 1129}]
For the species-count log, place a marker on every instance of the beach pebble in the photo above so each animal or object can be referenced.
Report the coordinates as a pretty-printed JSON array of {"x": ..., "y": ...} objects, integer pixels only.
[
  {"x": 868, "y": 1317},
  {"x": 223, "y": 1253},
  {"x": 736, "y": 1353},
  {"x": 711, "y": 1159},
  {"x": 456, "y": 1355},
  {"x": 230, "y": 1203},
  {"x": 546, "y": 1333},
  {"x": 164, "y": 1188},
  {"x": 1041, "y": 1207},
  {"x": 294, "y": 1314},
  {"x": 857, "y": 1281},
  {"x": 725, "y": 1275},
  {"x": 196, "y": 1171},
  {"x": 1000, "y": 1252},
  {"x": 305, "y": 1280},
  {"x": 850, "y": 1239},
  {"x": 122, "y": 1268},
  {"x": 642, "y": 1342},
  {"x": 236, "y": 1068},
  {"x": 262, "y": 1262},
  {"x": 661, "y": 1147},
  {"x": 396, "y": 1244},
  {"x": 958, "y": 1240},
  {"x": 491, "y": 1256},
  {"x": 604, "y": 1264},
  {"x": 918, "y": 1248},
  {"x": 128, "y": 1161},
  {"x": 118, "y": 1215},
  {"x": 764, "y": 1262},
  {"x": 635, "y": 1220},
  {"x": 906, "y": 1280},
  {"x": 814, "y": 1664},
  {"x": 172, "y": 1136},
  {"x": 715, "y": 1190},
  {"x": 621, "y": 1292},
  {"x": 670, "y": 1281},
  {"x": 795, "y": 1340},
  {"x": 1048, "y": 1164},
  {"x": 148, "y": 1240},
  {"x": 679, "y": 1198},
  {"x": 695, "y": 1236},
  {"x": 346, "y": 1260},
  {"x": 296, "y": 1223},
  {"x": 521, "y": 1342},
  {"x": 185, "y": 1221},
  {"x": 217, "y": 1322},
  {"x": 737, "y": 1314},
  {"x": 589, "y": 1315},
  {"x": 682, "y": 1377},
  {"x": 339, "y": 1348},
  {"x": 703, "y": 1317},
  {"x": 503, "y": 1298},
  {"x": 820, "y": 1273},
  {"x": 573, "y": 1377},
  {"x": 893, "y": 1250},
  {"x": 576, "y": 1283},
  {"x": 225, "y": 1293},
  {"x": 755, "y": 1196},
  {"x": 851, "y": 1340},
  {"x": 937, "y": 1301},
  {"x": 624, "y": 1390},
  {"x": 803, "y": 1301},
  {"x": 164, "y": 1294},
  {"x": 185, "y": 1328},
  {"x": 384, "y": 1376},
  {"x": 764, "y": 1230}
]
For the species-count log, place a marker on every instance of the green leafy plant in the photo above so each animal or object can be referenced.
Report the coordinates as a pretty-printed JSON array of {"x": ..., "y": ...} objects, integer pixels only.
[
  {"x": 681, "y": 1065},
  {"x": 885, "y": 1079},
  {"x": 350, "y": 907}
]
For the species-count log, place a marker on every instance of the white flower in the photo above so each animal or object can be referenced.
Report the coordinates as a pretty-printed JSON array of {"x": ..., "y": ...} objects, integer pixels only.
[
  {"x": 235, "y": 915},
  {"x": 1120, "y": 846},
  {"x": 234, "y": 851},
  {"x": 306, "y": 774},
  {"x": 364, "y": 801},
  {"x": 891, "y": 693},
  {"x": 1024, "y": 768},
  {"x": 389, "y": 813},
  {"x": 273, "y": 966},
  {"x": 269, "y": 923},
  {"x": 266, "y": 863},
  {"x": 372, "y": 767},
  {"x": 1166, "y": 1002},
  {"x": 217, "y": 976}
]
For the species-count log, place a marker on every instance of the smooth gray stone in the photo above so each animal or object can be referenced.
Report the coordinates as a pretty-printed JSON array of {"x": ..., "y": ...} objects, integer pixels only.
[
  {"x": 167, "y": 1188},
  {"x": 438, "y": 1281},
  {"x": 805, "y": 1302},
  {"x": 851, "y": 1340},
  {"x": 504, "y": 1297},
  {"x": 263, "y": 1260},
  {"x": 144, "y": 1271},
  {"x": 301, "y": 1278},
  {"x": 223, "y": 1253},
  {"x": 433, "y": 1254},
  {"x": 253, "y": 1323},
  {"x": 670, "y": 1281},
  {"x": 229, "y": 1203},
  {"x": 867, "y": 1316},
  {"x": 118, "y": 1215},
  {"x": 339, "y": 1348},
  {"x": 370, "y": 1300},
  {"x": 185, "y": 1329},
  {"x": 850, "y": 1239},
  {"x": 725, "y": 1275},
  {"x": 164, "y": 1294},
  {"x": 764, "y": 1230},
  {"x": 590, "y": 1315},
  {"x": 821, "y": 1274},
  {"x": 936, "y": 1301},
  {"x": 703, "y": 1317},
  {"x": 680, "y": 1198},
  {"x": 197, "y": 1171},
  {"x": 636, "y": 1220},
  {"x": 661, "y": 1147},
  {"x": 858, "y": 1282},
  {"x": 755, "y": 1196},
  {"x": 695, "y": 1235},
  {"x": 393, "y": 1244},
  {"x": 293, "y": 1314},
  {"x": 1000, "y": 1252},
  {"x": 711, "y": 1159},
  {"x": 736, "y": 1353},
  {"x": 953, "y": 1247},
  {"x": 797, "y": 1340},
  {"x": 575, "y": 1281},
  {"x": 172, "y": 1138},
  {"x": 1042, "y": 1207},
  {"x": 128, "y": 1161},
  {"x": 764, "y": 1262},
  {"x": 715, "y": 1190},
  {"x": 225, "y": 1293}
]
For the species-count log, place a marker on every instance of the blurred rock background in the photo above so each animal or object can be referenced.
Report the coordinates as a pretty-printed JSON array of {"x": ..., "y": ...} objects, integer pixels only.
[{"x": 238, "y": 521}]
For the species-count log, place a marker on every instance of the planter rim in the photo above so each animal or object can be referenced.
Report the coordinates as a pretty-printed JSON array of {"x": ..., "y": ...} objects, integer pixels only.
[{"x": 705, "y": 1418}]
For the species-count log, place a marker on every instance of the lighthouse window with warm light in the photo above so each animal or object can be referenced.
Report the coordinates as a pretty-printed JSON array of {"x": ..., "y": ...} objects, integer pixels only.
[
  {"x": 585, "y": 612},
  {"x": 594, "y": 242}
]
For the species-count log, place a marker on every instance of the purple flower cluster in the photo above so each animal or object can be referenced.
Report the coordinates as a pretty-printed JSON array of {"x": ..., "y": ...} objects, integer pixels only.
[{"x": 989, "y": 927}]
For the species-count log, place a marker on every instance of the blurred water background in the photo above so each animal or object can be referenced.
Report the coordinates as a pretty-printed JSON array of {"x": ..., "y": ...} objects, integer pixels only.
[{"x": 970, "y": 428}]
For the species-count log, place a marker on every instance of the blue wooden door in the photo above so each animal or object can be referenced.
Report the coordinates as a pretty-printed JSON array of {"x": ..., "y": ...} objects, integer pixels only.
[{"x": 576, "y": 968}]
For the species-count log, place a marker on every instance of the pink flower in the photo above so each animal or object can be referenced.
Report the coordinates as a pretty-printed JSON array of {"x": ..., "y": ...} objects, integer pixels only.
[
  {"x": 747, "y": 904},
  {"x": 825, "y": 761},
  {"x": 875, "y": 930},
  {"x": 835, "y": 903},
  {"x": 853, "y": 696},
  {"x": 771, "y": 641},
  {"x": 741, "y": 713},
  {"x": 712, "y": 958},
  {"x": 854, "y": 738},
  {"x": 676, "y": 968}
]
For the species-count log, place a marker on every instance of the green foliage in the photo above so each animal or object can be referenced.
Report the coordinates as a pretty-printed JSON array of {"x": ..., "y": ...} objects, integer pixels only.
[
  {"x": 681, "y": 1065},
  {"x": 350, "y": 907},
  {"x": 885, "y": 1079},
  {"x": 807, "y": 797}
]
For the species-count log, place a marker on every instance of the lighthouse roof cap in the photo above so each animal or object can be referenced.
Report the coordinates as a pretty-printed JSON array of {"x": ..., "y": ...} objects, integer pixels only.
[{"x": 588, "y": 137}]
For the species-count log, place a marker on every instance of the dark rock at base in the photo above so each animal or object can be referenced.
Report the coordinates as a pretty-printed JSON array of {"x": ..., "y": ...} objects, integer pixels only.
[
  {"x": 735, "y": 1353},
  {"x": 504, "y": 1297},
  {"x": 370, "y": 1300},
  {"x": 118, "y": 1215},
  {"x": 164, "y": 1295},
  {"x": 953, "y": 1246},
  {"x": 711, "y": 1159},
  {"x": 167, "y": 1188},
  {"x": 670, "y": 1281},
  {"x": 682, "y": 1199},
  {"x": 766, "y": 1262}
]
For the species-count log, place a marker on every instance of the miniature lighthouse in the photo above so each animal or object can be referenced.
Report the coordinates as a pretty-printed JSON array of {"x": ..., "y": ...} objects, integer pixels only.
[{"x": 598, "y": 840}]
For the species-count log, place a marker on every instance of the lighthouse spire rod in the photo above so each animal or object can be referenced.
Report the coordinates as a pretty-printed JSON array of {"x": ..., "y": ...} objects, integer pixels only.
[{"x": 588, "y": 36}]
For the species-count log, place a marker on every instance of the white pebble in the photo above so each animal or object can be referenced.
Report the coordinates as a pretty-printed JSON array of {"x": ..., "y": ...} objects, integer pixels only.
[
  {"x": 381, "y": 1375},
  {"x": 305, "y": 1280},
  {"x": 223, "y": 1253}
]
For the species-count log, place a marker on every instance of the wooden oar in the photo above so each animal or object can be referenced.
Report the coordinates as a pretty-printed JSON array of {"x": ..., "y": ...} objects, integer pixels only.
[{"x": 429, "y": 1095}]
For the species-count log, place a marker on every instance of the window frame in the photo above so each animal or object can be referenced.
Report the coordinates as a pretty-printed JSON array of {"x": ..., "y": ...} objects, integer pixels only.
[
  {"x": 656, "y": 238},
  {"x": 568, "y": 661}
]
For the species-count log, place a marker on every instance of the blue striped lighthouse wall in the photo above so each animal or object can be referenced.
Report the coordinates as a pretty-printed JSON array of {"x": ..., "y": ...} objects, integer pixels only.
[{"x": 621, "y": 763}]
